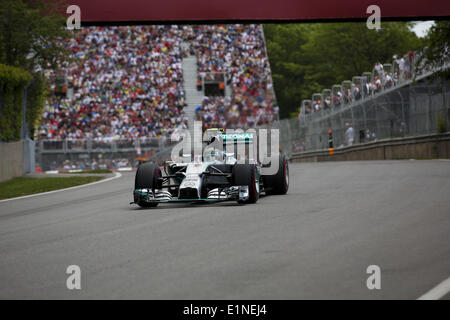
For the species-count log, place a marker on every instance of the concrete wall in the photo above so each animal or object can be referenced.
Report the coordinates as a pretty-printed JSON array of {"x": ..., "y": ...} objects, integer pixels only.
[
  {"x": 11, "y": 160},
  {"x": 424, "y": 147}
]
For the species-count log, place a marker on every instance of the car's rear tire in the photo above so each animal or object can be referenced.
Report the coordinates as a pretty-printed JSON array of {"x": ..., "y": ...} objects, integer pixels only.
[
  {"x": 146, "y": 178},
  {"x": 246, "y": 175},
  {"x": 279, "y": 182}
]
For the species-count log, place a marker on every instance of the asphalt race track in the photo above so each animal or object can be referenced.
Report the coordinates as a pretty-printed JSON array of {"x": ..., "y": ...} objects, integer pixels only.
[{"x": 315, "y": 242}]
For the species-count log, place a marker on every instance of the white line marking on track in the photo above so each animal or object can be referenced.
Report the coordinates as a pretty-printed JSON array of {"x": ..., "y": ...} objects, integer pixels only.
[
  {"x": 437, "y": 292},
  {"x": 116, "y": 176},
  {"x": 125, "y": 169}
]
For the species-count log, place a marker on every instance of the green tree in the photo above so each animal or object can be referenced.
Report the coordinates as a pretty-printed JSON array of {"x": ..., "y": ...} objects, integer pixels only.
[
  {"x": 29, "y": 34},
  {"x": 438, "y": 46},
  {"x": 12, "y": 82},
  {"x": 339, "y": 51},
  {"x": 284, "y": 45}
]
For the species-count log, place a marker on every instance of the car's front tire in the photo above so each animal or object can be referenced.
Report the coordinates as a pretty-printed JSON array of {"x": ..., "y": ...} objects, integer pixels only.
[
  {"x": 247, "y": 175},
  {"x": 147, "y": 178}
]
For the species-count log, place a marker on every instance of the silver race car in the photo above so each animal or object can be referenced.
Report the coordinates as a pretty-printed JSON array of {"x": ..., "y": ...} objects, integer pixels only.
[{"x": 213, "y": 178}]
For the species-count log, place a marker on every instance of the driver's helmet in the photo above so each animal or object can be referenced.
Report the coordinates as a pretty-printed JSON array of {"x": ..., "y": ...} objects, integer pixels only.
[{"x": 210, "y": 135}]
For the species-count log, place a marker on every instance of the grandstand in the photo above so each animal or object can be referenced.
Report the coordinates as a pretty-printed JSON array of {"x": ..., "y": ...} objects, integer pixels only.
[
  {"x": 127, "y": 82},
  {"x": 125, "y": 85},
  {"x": 234, "y": 55}
]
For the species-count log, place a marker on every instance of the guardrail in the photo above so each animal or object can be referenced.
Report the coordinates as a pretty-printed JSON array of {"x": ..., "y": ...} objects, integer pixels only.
[
  {"x": 91, "y": 145},
  {"x": 96, "y": 154},
  {"x": 430, "y": 146}
]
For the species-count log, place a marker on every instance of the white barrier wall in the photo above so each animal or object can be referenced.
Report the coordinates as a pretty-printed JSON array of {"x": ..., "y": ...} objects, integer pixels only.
[{"x": 11, "y": 160}]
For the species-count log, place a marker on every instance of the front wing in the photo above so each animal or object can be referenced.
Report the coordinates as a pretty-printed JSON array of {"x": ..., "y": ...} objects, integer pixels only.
[{"x": 233, "y": 193}]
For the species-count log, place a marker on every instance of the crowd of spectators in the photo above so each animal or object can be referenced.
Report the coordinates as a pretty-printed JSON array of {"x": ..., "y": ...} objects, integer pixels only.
[
  {"x": 127, "y": 82},
  {"x": 382, "y": 77},
  {"x": 237, "y": 54}
]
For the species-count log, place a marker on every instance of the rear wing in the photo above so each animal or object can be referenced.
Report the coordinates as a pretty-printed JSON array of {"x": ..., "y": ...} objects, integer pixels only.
[
  {"x": 243, "y": 145},
  {"x": 244, "y": 137}
]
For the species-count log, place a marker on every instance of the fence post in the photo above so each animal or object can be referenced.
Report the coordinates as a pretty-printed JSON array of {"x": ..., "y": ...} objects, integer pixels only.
[
  {"x": 363, "y": 106},
  {"x": 445, "y": 108},
  {"x": 29, "y": 165},
  {"x": 403, "y": 114},
  {"x": 28, "y": 144},
  {"x": 24, "y": 129}
]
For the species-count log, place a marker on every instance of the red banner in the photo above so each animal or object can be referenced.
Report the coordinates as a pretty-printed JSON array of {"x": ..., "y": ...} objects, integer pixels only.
[{"x": 217, "y": 10}]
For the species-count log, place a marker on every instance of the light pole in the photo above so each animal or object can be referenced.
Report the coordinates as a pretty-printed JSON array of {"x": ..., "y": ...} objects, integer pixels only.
[
  {"x": 28, "y": 144},
  {"x": 24, "y": 134}
]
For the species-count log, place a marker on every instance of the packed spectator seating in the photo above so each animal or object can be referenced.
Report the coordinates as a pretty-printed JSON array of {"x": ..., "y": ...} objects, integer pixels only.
[
  {"x": 127, "y": 83},
  {"x": 238, "y": 52}
]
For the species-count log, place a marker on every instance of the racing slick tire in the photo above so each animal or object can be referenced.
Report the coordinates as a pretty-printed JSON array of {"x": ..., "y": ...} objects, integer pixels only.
[
  {"x": 247, "y": 175},
  {"x": 279, "y": 182},
  {"x": 146, "y": 178}
]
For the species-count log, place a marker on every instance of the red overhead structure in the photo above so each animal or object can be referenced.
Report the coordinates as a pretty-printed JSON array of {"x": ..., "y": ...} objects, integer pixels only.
[{"x": 122, "y": 11}]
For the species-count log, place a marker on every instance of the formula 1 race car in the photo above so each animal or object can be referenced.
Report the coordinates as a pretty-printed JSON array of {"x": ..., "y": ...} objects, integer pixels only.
[{"x": 217, "y": 177}]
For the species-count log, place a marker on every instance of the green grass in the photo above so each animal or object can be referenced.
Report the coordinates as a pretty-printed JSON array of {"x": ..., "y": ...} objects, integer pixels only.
[
  {"x": 22, "y": 186},
  {"x": 93, "y": 171}
]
